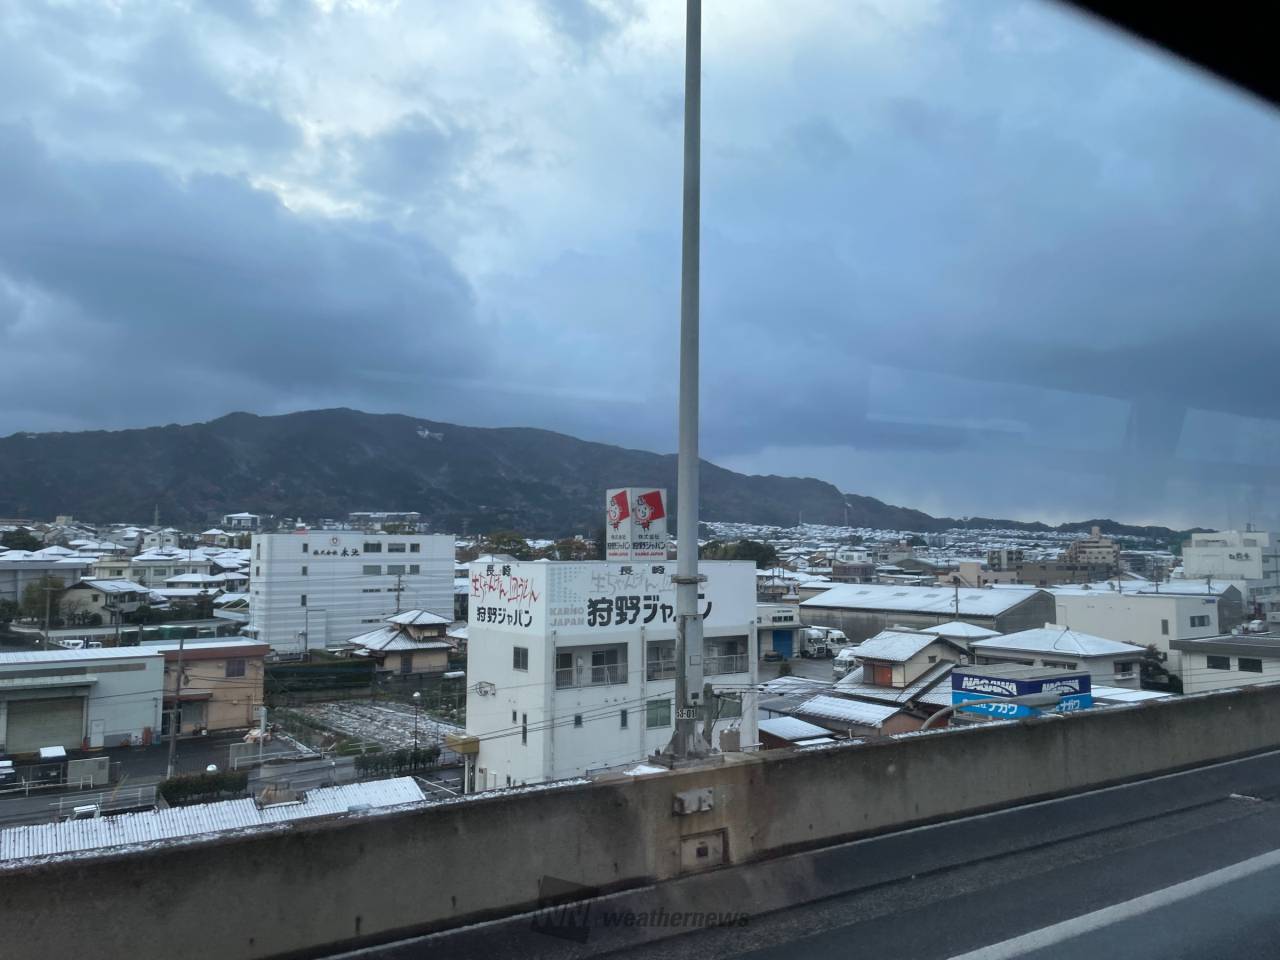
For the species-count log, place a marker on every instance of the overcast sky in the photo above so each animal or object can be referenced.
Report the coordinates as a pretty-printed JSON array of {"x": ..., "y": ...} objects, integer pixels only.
[{"x": 981, "y": 258}]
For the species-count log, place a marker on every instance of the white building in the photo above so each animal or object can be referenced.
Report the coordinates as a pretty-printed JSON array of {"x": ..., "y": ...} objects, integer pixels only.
[
  {"x": 241, "y": 522},
  {"x": 1108, "y": 661},
  {"x": 76, "y": 698},
  {"x": 571, "y": 665},
  {"x": 1251, "y": 556},
  {"x": 313, "y": 590},
  {"x": 1229, "y": 661},
  {"x": 1155, "y": 615}
]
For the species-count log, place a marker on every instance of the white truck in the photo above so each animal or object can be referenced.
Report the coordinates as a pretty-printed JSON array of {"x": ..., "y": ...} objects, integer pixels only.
[
  {"x": 845, "y": 660},
  {"x": 821, "y": 643}
]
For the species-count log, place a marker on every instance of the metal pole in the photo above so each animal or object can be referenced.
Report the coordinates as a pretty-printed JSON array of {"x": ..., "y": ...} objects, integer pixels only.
[
  {"x": 688, "y": 622},
  {"x": 48, "y": 598},
  {"x": 175, "y": 714}
]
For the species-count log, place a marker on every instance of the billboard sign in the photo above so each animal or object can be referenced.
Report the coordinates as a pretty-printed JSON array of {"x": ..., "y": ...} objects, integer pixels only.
[
  {"x": 1004, "y": 710},
  {"x": 636, "y": 523},
  {"x": 598, "y": 598}
]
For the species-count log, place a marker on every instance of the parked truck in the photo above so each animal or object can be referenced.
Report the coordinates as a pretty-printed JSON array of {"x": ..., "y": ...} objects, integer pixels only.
[
  {"x": 821, "y": 643},
  {"x": 845, "y": 660}
]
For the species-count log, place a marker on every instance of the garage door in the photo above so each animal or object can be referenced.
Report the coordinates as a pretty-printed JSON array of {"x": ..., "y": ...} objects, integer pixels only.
[{"x": 45, "y": 723}]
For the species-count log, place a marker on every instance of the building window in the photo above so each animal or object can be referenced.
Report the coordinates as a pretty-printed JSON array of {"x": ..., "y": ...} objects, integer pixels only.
[
  {"x": 520, "y": 658},
  {"x": 1123, "y": 668},
  {"x": 1250, "y": 664},
  {"x": 524, "y": 729},
  {"x": 304, "y": 600},
  {"x": 395, "y": 548},
  {"x": 304, "y": 571},
  {"x": 257, "y": 571},
  {"x": 373, "y": 547},
  {"x": 622, "y": 719},
  {"x": 1200, "y": 621},
  {"x": 371, "y": 570},
  {"x": 881, "y": 674},
  {"x": 235, "y": 668},
  {"x": 1164, "y": 627},
  {"x": 415, "y": 548},
  {"x": 413, "y": 569},
  {"x": 577, "y": 719},
  {"x": 395, "y": 568},
  {"x": 513, "y": 716},
  {"x": 257, "y": 551},
  {"x": 1218, "y": 663},
  {"x": 406, "y": 662},
  {"x": 657, "y": 713},
  {"x": 305, "y": 548},
  {"x": 370, "y": 590}
]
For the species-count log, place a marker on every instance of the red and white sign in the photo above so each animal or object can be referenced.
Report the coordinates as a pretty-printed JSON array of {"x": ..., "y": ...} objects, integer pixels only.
[{"x": 637, "y": 524}]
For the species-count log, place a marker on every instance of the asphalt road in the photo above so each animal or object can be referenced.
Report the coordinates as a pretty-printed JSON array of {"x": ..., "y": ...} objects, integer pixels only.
[{"x": 1178, "y": 866}]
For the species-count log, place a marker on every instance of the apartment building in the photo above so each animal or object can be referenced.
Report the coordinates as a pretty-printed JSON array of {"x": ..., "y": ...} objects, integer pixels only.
[
  {"x": 1251, "y": 556},
  {"x": 572, "y": 664},
  {"x": 315, "y": 590}
]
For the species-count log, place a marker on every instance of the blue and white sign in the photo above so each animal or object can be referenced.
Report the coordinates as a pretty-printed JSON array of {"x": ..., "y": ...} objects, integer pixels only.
[{"x": 1004, "y": 710}]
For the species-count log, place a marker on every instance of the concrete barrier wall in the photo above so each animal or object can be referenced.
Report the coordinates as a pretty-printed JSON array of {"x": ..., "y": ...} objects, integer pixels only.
[{"x": 369, "y": 877}]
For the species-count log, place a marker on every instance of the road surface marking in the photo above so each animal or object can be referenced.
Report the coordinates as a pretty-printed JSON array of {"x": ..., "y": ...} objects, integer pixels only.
[{"x": 1085, "y": 923}]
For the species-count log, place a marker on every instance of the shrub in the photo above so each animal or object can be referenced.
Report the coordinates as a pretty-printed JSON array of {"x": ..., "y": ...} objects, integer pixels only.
[{"x": 204, "y": 787}]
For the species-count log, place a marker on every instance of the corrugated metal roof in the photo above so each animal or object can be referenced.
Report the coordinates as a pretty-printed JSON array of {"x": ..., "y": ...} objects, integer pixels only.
[
  {"x": 936, "y": 600},
  {"x": 857, "y": 712},
  {"x": 62, "y": 656},
  {"x": 791, "y": 728},
  {"x": 181, "y": 823}
]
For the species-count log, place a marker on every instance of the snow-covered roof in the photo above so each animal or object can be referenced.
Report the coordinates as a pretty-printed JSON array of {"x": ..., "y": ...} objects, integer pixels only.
[
  {"x": 855, "y": 684},
  {"x": 937, "y": 600},
  {"x": 897, "y": 646},
  {"x": 959, "y": 630},
  {"x": 201, "y": 819},
  {"x": 112, "y": 586},
  {"x": 791, "y": 728},
  {"x": 1125, "y": 694},
  {"x": 781, "y": 686},
  {"x": 856, "y": 712},
  {"x": 66, "y": 656},
  {"x": 419, "y": 618},
  {"x": 390, "y": 638},
  {"x": 1055, "y": 639}
]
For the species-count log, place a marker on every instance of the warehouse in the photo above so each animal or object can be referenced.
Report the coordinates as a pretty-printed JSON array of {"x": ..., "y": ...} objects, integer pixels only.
[
  {"x": 862, "y": 610},
  {"x": 79, "y": 699}
]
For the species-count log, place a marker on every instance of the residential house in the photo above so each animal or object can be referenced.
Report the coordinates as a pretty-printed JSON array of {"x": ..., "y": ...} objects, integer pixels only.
[
  {"x": 1233, "y": 660},
  {"x": 1057, "y": 647},
  {"x": 221, "y": 686},
  {"x": 414, "y": 642}
]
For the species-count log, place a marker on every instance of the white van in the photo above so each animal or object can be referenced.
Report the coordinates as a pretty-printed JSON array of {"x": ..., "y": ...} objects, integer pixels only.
[{"x": 844, "y": 661}]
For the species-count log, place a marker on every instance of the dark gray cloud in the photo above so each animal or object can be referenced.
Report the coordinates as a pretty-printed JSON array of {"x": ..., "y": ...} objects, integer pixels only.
[{"x": 979, "y": 260}]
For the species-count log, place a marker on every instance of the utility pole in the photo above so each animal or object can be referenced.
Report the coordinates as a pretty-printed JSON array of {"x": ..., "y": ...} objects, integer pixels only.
[
  {"x": 48, "y": 602},
  {"x": 398, "y": 589},
  {"x": 175, "y": 715},
  {"x": 687, "y": 578}
]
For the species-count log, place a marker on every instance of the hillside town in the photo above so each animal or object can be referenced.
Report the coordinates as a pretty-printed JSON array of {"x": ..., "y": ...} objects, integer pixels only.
[{"x": 264, "y": 652}]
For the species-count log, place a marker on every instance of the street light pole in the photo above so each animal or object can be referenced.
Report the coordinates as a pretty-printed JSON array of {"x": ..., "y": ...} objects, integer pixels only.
[
  {"x": 417, "y": 703},
  {"x": 175, "y": 715},
  {"x": 687, "y": 579}
]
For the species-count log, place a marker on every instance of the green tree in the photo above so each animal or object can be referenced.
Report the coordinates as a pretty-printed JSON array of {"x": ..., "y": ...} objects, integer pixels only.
[
  {"x": 20, "y": 539},
  {"x": 761, "y": 554},
  {"x": 8, "y": 611},
  {"x": 508, "y": 542},
  {"x": 33, "y": 598}
]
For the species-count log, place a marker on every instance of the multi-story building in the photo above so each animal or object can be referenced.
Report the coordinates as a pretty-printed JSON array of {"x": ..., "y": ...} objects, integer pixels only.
[
  {"x": 1094, "y": 549},
  {"x": 1251, "y": 556},
  {"x": 19, "y": 570},
  {"x": 571, "y": 665},
  {"x": 1156, "y": 615},
  {"x": 241, "y": 522},
  {"x": 312, "y": 590}
]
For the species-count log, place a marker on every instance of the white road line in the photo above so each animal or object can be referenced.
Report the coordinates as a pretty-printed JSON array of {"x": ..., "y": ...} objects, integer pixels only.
[{"x": 1076, "y": 926}]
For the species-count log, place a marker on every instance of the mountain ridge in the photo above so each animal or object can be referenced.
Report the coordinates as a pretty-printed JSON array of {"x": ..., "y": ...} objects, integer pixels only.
[{"x": 326, "y": 463}]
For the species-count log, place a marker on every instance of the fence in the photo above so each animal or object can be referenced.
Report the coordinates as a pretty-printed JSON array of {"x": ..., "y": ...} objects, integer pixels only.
[{"x": 114, "y": 801}]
